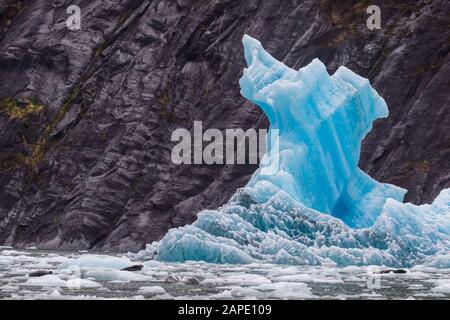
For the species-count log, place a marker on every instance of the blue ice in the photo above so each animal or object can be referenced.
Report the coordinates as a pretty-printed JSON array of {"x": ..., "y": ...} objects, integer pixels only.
[{"x": 309, "y": 203}]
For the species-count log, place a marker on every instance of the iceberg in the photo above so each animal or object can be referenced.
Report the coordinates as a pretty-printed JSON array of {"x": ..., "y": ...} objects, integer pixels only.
[
  {"x": 309, "y": 203},
  {"x": 321, "y": 121}
]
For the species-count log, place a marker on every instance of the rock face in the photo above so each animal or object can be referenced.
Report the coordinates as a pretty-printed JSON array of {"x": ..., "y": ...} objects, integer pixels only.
[{"x": 86, "y": 116}]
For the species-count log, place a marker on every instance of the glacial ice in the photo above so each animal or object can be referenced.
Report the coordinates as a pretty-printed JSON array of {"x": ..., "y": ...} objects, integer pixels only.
[
  {"x": 152, "y": 290},
  {"x": 46, "y": 281},
  {"x": 321, "y": 122},
  {"x": 97, "y": 261},
  {"x": 443, "y": 286},
  {"x": 102, "y": 268},
  {"x": 309, "y": 203},
  {"x": 55, "y": 281},
  {"x": 214, "y": 281}
]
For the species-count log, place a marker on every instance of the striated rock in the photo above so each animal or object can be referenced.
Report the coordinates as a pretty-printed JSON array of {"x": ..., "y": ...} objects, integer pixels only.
[{"x": 92, "y": 169}]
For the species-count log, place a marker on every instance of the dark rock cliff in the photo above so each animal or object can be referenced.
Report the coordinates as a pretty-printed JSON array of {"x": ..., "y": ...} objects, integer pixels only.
[{"x": 86, "y": 116}]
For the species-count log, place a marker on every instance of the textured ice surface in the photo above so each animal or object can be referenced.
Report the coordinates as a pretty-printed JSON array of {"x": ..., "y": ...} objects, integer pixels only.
[
  {"x": 55, "y": 281},
  {"x": 309, "y": 203},
  {"x": 321, "y": 121},
  {"x": 442, "y": 286},
  {"x": 97, "y": 261},
  {"x": 102, "y": 268}
]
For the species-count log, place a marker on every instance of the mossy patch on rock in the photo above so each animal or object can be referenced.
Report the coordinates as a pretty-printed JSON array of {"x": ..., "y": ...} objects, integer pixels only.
[{"x": 16, "y": 110}]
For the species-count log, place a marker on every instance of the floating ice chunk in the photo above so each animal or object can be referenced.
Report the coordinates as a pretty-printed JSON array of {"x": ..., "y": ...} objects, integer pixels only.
[
  {"x": 56, "y": 281},
  {"x": 191, "y": 243},
  {"x": 233, "y": 292},
  {"x": 152, "y": 290},
  {"x": 309, "y": 203},
  {"x": 82, "y": 283},
  {"x": 14, "y": 253},
  {"x": 224, "y": 295},
  {"x": 294, "y": 278},
  {"x": 322, "y": 121},
  {"x": 114, "y": 275},
  {"x": 53, "y": 295},
  {"x": 283, "y": 231},
  {"x": 286, "y": 290},
  {"x": 243, "y": 279},
  {"x": 98, "y": 261},
  {"x": 165, "y": 296},
  {"x": 148, "y": 253},
  {"x": 442, "y": 286},
  {"x": 46, "y": 281}
]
